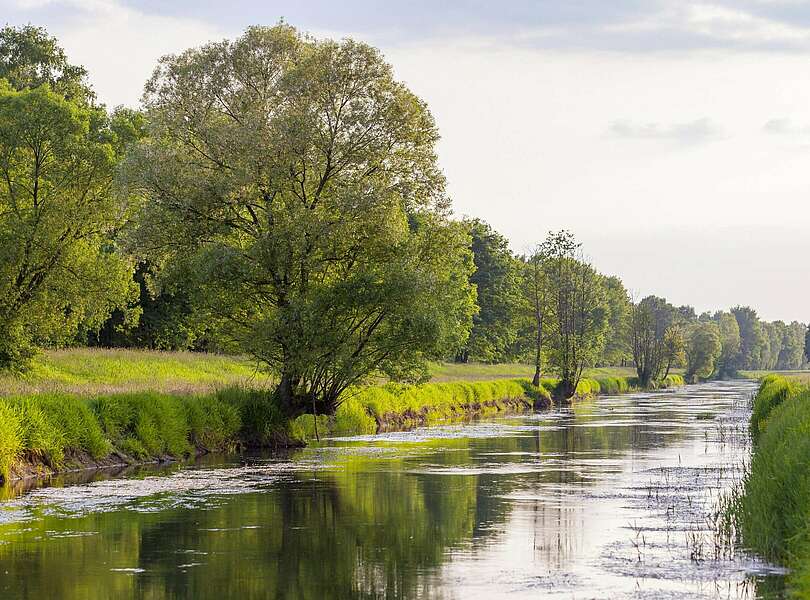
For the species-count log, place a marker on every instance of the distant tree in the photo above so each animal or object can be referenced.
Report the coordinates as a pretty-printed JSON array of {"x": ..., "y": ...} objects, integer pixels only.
[
  {"x": 807, "y": 345},
  {"x": 618, "y": 349},
  {"x": 536, "y": 289},
  {"x": 791, "y": 354},
  {"x": 752, "y": 339},
  {"x": 579, "y": 310},
  {"x": 166, "y": 318},
  {"x": 674, "y": 349},
  {"x": 702, "y": 351},
  {"x": 29, "y": 58},
  {"x": 772, "y": 339},
  {"x": 728, "y": 361},
  {"x": 57, "y": 211},
  {"x": 298, "y": 182},
  {"x": 497, "y": 281},
  {"x": 650, "y": 321},
  {"x": 687, "y": 313}
]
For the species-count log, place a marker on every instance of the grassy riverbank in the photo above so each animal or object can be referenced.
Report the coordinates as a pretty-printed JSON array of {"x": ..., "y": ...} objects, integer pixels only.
[
  {"x": 81, "y": 408},
  {"x": 773, "y": 510}
]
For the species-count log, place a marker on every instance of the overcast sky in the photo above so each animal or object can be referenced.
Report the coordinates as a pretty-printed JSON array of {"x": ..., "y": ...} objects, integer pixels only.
[{"x": 673, "y": 137}]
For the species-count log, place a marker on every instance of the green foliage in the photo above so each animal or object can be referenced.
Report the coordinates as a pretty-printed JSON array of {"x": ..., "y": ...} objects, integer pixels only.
[
  {"x": 618, "y": 349},
  {"x": 754, "y": 345},
  {"x": 579, "y": 311},
  {"x": 655, "y": 351},
  {"x": 702, "y": 351},
  {"x": 807, "y": 345},
  {"x": 773, "y": 513},
  {"x": 495, "y": 326},
  {"x": 730, "y": 342},
  {"x": 308, "y": 206},
  {"x": 29, "y": 58},
  {"x": 57, "y": 273}
]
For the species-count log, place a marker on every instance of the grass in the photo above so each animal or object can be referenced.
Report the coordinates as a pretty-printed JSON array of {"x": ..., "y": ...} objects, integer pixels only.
[
  {"x": 144, "y": 425},
  {"x": 94, "y": 371},
  {"x": 443, "y": 372},
  {"x": 773, "y": 511},
  {"x": 802, "y": 376}
]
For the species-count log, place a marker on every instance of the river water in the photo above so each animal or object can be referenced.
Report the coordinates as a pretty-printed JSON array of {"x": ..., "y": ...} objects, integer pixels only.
[{"x": 611, "y": 498}]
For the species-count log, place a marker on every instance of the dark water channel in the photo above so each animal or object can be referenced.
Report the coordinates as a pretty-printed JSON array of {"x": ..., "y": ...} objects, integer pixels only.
[{"x": 612, "y": 498}]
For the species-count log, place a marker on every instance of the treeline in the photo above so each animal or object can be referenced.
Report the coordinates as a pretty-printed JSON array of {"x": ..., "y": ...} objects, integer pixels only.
[
  {"x": 518, "y": 312},
  {"x": 280, "y": 196}
]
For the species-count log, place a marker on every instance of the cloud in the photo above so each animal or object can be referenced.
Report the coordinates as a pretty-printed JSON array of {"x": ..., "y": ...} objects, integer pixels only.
[
  {"x": 119, "y": 44},
  {"x": 617, "y": 25},
  {"x": 691, "y": 132},
  {"x": 784, "y": 126}
]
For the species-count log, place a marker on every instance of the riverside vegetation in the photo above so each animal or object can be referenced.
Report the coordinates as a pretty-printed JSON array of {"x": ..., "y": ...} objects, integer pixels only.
[
  {"x": 772, "y": 507},
  {"x": 58, "y": 429},
  {"x": 279, "y": 197}
]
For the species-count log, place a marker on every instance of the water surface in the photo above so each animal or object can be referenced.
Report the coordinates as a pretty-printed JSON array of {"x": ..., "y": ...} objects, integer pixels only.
[{"x": 611, "y": 498}]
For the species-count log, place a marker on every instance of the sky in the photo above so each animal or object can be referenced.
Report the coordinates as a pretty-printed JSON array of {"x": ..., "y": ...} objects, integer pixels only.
[{"x": 672, "y": 137}]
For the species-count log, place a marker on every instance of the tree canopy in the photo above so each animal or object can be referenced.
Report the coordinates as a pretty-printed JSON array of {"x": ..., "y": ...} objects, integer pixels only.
[
  {"x": 57, "y": 209},
  {"x": 298, "y": 181}
]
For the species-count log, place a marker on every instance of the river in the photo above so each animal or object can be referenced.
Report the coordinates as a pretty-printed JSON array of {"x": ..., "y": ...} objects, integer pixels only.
[{"x": 611, "y": 498}]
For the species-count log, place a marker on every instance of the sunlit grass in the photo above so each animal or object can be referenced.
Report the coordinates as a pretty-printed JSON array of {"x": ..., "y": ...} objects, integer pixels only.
[
  {"x": 90, "y": 371},
  {"x": 442, "y": 372},
  {"x": 773, "y": 511},
  {"x": 802, "y": 375}
]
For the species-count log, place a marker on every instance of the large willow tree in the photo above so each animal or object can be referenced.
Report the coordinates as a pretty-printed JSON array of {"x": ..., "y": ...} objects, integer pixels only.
[{"x": 296, "y": 181}]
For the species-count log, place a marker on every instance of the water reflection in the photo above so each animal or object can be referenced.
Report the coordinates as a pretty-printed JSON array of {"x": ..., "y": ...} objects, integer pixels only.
[{"x": 599, "y": 500}]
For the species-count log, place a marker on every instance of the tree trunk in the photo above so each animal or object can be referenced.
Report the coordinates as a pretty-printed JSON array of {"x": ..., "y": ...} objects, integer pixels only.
[
  {"x": 538, "y": 354},
  {"x": 565, "y": 390},
  {"x": 286, "y": 394}
]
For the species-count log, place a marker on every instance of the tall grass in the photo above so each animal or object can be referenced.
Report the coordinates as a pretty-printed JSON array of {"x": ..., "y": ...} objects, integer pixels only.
[
  {"x": 95, "y": 371},
  {"x": 773, "y": 512},
  {"x": 47, "y": 428}
]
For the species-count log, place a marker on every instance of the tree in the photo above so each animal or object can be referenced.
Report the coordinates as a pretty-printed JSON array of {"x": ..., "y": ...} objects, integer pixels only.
[
  {"x": 537, "y": 295},
  {"x": 727, "y": 362},
  {"x": 30, "y": 58},
  {"x": 791, "y": 353},
  {"x": 617, "y": 346},
  {"x": 650, "y": 321},
  {"x": 807, "y": 345},
  {"x": 57, "y": 271},
  {"x": 579, "y": 310},
  {"x": 674, "y": 348},
  {"x": 752, "y": 340},
  {"x": 297, "y": 180},
  {"x": 497, "y": 281},
  {"x": 702, "y": 351}
]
